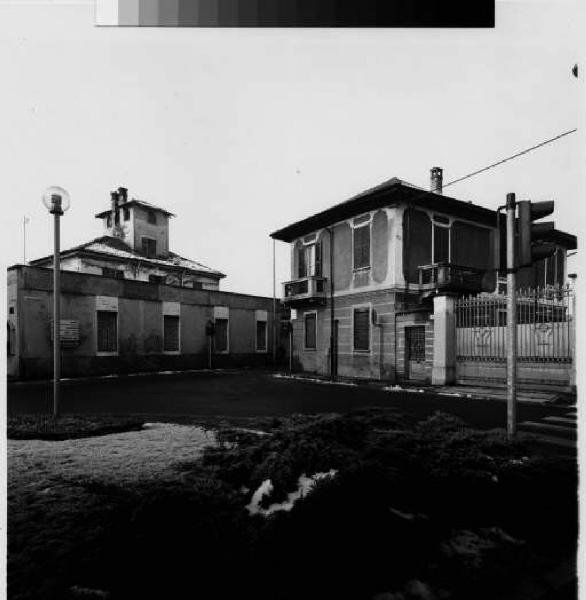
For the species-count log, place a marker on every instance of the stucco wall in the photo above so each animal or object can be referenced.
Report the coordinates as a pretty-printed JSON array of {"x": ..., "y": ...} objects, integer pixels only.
[
  {"x": 159, "y": 232},
  {"x": 140, "y": 324}
]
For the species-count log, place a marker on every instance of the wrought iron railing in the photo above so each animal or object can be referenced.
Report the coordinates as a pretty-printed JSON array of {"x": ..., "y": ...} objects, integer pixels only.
[
  {"x": 446, "y": 276},
  {"x": 545, "y": 326},
  {"x": 312, "y": 287}
]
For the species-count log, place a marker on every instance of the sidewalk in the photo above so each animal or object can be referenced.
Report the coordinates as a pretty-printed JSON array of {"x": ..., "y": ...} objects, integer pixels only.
[{"x": 457, "y": 391}]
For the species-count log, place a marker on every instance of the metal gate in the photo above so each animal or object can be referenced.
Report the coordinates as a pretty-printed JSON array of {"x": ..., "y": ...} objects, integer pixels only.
[
  {"x": 415, "y": 352},
  {"x": 545, "y": 331}
]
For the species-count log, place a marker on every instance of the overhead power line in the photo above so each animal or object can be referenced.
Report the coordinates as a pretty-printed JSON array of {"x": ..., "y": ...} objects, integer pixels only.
[{"x": 504, "y": 160}]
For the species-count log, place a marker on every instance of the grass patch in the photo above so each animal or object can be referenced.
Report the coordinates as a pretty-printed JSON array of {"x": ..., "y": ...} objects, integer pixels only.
[
  {"x": 67, "y": 427},
  {"x": 416, "y": 510}
]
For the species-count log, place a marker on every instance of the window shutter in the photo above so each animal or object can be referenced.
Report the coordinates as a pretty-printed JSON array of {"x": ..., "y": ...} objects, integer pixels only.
[
  {"x": 221, "y": 335},
  {"x": 170, "y": 333},
  {"x": 362, "y": 329},
  {"x": 107, "y": 334},
  {"x": 302, "y": 268},
  {"x": 318, "y": 259},
  {"x": 310, "y": 331},
  {"x": 261, "y": 336},
  {"x": 362, "y": 247}
]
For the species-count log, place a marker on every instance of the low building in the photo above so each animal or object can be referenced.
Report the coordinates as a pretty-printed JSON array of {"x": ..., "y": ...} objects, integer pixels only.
[
  {"x": 129, "y": 304},
  {"x": 368, "y": 276}
]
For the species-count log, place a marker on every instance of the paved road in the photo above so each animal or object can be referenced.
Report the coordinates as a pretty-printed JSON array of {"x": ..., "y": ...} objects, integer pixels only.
[{"x": 247, "y": 393}]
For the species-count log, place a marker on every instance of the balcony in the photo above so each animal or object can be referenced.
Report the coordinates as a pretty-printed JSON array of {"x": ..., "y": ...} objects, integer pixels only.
[
  {"x": 446, "y": 277},
  {"x": 307, "y": 291}
]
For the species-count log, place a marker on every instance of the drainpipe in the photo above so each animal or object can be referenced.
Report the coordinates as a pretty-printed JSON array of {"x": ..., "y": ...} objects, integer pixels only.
[{"x": 332, "y": 359}]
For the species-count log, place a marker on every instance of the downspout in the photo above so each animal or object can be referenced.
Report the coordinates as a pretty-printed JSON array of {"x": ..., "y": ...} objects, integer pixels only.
[{"x": 332, "y": 359}]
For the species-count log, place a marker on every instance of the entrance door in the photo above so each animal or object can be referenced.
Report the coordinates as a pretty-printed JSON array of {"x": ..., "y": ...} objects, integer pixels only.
[{"x": 415, "y": 353}]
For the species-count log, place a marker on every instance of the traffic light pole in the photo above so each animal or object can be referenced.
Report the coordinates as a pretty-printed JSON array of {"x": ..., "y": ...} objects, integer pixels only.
[{"x": 511, "y": 321}]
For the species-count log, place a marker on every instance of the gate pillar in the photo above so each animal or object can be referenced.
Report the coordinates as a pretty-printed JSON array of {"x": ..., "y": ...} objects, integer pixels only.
[{"x": 444, "y": 340}]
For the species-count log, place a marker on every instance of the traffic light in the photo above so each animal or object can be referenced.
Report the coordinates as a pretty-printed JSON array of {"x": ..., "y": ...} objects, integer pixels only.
[{"x": 534, "y": 238}]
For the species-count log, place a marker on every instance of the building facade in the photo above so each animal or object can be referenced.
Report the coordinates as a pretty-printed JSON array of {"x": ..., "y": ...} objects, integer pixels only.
[
  {"x": 135, "y": 246},
  {"x": 366, "y": 274},
  {"x": 129, "y": 304}
]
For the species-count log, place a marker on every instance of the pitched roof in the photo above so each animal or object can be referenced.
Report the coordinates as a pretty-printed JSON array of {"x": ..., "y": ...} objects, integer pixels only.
[
  {"x": 136, "y": 202},
  {"x": 391, "y": 193},
  {"x": 114, "y": 248}
]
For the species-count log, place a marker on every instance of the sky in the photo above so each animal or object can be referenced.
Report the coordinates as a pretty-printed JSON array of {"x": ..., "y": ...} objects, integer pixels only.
[{"x": 241, "y": 132}]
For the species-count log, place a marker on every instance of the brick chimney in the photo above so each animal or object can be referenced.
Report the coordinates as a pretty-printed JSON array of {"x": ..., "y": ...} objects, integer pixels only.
[
  {"x": 114, "y": 209},
  {"x": 437, "y": 178},
  {"x": 123, "y": 193}
]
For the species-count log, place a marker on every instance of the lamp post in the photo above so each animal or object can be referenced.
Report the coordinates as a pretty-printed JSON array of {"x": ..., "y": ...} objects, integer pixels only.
[{"x": 56, "y": 200}]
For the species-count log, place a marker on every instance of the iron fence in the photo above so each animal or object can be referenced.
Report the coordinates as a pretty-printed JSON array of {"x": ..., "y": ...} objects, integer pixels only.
[{"x": 545, "y": 326}]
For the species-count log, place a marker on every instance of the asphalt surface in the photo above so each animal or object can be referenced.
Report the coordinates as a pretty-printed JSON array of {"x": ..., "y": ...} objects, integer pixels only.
[{"x": 248, "y": 394}]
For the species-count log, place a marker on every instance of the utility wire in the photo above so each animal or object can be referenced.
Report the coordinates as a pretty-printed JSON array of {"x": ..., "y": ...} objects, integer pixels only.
[{"x": 504, "y": 160}]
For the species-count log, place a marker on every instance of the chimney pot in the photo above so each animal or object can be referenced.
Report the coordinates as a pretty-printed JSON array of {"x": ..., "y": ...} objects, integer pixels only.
[
  {"x": 437, "y": 180},
  {"x": 123, "y": 192}
]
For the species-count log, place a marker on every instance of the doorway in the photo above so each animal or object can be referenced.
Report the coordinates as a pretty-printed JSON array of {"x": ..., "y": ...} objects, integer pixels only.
[{"x": 415, "y": 353}]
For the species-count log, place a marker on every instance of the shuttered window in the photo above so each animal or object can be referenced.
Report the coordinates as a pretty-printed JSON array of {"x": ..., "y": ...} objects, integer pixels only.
[
  {"x": 107, "y": 331},
  {"x": 441, "y": 244},
  {"x": 149, "y": 247},
  {"x": 301, "y": 262},
  {"x": 309, "y": 260},
  {"x": 221, "y": 335},
  {"x": 311, "y": 331},
  {"x": 10, "y": 339},
  {"x": 261, "y": 336},
  {"x": 361, "y": 329},
  {"x": 171, "y": 333},
  {"x": 362, "y": 247}
]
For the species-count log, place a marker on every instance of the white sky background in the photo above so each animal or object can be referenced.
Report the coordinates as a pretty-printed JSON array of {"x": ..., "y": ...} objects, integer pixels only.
[{"x": 241, "y": 132}]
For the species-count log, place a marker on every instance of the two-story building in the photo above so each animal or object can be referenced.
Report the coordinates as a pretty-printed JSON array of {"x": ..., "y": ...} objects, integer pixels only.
[
  {"x": 135, "y": 246},
  {"x": 366, "y": 273}
]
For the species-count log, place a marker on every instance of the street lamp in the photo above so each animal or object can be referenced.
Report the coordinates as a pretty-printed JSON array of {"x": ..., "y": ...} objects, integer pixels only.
[{"x": 56, "y": 200}]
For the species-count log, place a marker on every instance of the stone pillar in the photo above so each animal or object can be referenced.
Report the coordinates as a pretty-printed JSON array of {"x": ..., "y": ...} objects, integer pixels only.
[{"x": 444, "y": 340}]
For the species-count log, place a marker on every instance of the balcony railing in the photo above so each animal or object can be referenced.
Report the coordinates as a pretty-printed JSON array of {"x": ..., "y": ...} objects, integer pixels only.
[
  {"x": 307, "y": 290},
  {"x": 446, "y": 277}
]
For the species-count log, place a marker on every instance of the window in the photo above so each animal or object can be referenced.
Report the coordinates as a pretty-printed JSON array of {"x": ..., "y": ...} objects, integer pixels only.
[
  {"x": 362, "y": 329},
  {"x": 159, "y": 279},
  {"x": 362, "y": 246},
  {"x": 221, "y": 335},
  {"x": 107, "y": 331},
  {"x": 109, "y": 220},
  {"x": 170, "y": 333},
  {"x": 152, "y": 217},
  {"x": 10, "y": 339},
  {"x": 149, "y": 247},
  {"x": 261, "y": 336},
  {"x": 441, "y": 244},
  {"x": 126, "y": 212},
  {"x": 311, "y": 331},
  {"x": 310, "y": 260}
]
